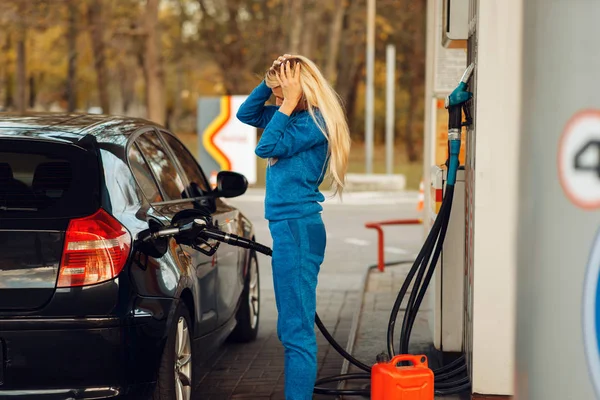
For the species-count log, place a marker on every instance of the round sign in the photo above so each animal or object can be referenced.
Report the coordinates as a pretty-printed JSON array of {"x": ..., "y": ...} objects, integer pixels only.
[
  {"x": 591, "y": 314},
  {"x": 579, "y": 159}
]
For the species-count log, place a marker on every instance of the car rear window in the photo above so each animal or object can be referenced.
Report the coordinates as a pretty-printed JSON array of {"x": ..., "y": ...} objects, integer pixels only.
[{"x": 47, "y": 180}]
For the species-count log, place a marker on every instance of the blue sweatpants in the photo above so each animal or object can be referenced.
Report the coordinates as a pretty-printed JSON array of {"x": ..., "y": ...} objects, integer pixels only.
[{"x": 298, "y": 251}]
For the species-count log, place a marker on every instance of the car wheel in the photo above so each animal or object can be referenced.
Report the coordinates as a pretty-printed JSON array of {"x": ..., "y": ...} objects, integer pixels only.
[
  {"x": 248, "y": 314},
  {"x": 175, "y": 378}
]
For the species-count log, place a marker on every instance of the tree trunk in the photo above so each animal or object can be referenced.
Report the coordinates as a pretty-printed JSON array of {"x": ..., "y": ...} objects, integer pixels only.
[
  {"x": 9, "y": 99},
  {"x": 296, "y": 19},
  {"x": 274, "y": 46},
  {"x": 408, "y": 130},
  {"x": 350, "y": 72},
  {"x": 174, "y": 116},
  {"x": 96, "y": 33},
  {"x": 335, "y": 37},
  {"x": 21, "y": 78},
  {"x": 153, "y": 66},
  {"x": 350, "y": 76},
  {"x": 125, "y": 87},
  {"x": 21, "y": 64},
  {"x": 7, "y": 76},
  {"x": 309, "y": 30},
  {"x": 177, "y": 103},
  {"x": 72, "y": 57},
  {"x": 351, "y": 99},
  {"x": 32, "y": 91}
]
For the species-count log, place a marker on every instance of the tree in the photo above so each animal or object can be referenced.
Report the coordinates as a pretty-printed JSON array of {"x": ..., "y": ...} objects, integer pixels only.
[
  {"x": 72, "y": 56},
  {"x": 153, "y": 65},
  {"x": 21, "y": 35},
  {"x": 245, "y": 36},
  {"x": 335, "y": 37},
  {"x": 351, "y": 60},
  {"x": 96, "y": 31},
  {"x": 296, "y": 17},
  {"x": 410, "y": 40}
]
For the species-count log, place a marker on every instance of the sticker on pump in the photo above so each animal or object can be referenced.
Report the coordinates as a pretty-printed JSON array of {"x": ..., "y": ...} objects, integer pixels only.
[
  {"x": 591, "y": 314},
  {"x": 579, "y": 159}
]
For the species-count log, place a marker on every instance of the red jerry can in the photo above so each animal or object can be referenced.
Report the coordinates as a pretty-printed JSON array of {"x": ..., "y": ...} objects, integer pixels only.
[{"x": 391, "y": 382}]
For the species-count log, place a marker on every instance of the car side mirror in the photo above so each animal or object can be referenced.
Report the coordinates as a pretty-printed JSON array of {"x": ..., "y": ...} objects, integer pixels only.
[{"x": 230, "y": 184}]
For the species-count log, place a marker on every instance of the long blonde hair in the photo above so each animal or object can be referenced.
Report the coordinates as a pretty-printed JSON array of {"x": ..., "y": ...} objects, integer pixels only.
[{"x": 319, "y": 94}]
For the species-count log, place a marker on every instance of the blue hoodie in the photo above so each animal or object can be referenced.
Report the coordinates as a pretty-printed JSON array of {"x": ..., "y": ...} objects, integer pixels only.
[{"x": 300, "y": 149}]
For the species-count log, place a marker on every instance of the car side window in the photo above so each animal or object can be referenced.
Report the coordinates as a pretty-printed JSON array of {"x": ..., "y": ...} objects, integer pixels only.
[
  {"x": 189, "y": 165},
  {"x": 143, "y": 175},
  {"x": 161, "y": 164}
]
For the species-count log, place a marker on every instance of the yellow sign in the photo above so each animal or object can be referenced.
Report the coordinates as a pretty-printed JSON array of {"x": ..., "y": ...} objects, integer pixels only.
[{"x": 441, "y": 137}]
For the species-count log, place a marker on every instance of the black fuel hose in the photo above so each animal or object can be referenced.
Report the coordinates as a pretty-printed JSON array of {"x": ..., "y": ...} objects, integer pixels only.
[
  {"x": 452, "y": 384},
  {"x": 450, "y": 366},
  {"x": 427, "y": 248},
  {"x": 339, "y": 348},
  {"x": 450, "y": 374},
  {"x": 344, "y": 392},
  {"x": 415, "y": 289},
  {"x": 418, "y": 292},
  {"x": 454, "y": 390}
]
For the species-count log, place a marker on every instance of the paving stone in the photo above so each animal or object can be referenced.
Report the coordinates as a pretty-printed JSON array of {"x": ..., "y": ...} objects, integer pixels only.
[{"x": 255, "y": 370}]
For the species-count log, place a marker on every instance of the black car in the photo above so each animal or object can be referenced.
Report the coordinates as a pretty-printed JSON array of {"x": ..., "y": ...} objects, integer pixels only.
[{"x": 88, "y": 307}]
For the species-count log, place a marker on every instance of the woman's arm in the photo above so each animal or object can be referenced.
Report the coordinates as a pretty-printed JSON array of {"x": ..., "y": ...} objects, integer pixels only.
[
  {"x": 282, "y": 139},
  {"x": 253, "y": 111}
]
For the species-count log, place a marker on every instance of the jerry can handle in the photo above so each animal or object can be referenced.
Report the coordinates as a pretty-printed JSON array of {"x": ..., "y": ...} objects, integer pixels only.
[{"x": 416, "y": 360}]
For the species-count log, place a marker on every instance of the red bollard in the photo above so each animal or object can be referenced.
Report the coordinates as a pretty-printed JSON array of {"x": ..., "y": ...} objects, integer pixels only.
[
  {"x": 380, "y": 238},
  {"x": 391, "y": 382}
]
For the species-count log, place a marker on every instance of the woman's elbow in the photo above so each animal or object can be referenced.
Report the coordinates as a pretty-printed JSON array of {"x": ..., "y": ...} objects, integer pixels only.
[{"x": 244, "y": 116}]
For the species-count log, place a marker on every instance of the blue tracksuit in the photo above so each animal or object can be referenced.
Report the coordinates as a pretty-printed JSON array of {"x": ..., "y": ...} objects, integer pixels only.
[{"x": 294, "y": 214}]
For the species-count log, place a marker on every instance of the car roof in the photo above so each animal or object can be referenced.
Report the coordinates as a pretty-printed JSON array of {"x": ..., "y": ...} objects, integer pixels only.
[{"x": 64, "y": 127}]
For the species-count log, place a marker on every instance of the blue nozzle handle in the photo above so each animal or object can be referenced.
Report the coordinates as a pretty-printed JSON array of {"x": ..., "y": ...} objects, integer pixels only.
[{"x": 460, "y": 94}]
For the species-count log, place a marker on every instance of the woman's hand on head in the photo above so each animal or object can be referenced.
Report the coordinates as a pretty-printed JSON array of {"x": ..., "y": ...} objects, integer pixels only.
[
  {"x": 289, "y": 80},
  {"x": 276, "y": 64}
]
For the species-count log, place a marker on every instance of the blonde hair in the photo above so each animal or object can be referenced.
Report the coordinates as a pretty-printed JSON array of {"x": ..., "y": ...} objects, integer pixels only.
[{"x": 319, "y": 94}]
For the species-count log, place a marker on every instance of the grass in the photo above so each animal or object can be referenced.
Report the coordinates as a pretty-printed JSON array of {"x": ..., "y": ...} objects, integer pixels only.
[{"x": 412, "y": 171}]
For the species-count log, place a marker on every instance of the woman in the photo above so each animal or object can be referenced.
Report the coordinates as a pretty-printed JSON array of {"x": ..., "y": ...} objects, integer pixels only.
[{"x": 305, "y": 133}]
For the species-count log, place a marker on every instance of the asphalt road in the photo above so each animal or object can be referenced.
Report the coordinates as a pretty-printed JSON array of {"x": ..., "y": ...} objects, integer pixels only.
[{"x": 350, "y": 246}]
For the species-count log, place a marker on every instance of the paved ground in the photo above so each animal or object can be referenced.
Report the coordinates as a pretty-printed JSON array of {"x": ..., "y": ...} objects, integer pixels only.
[
  {"x": 380, "y": 294},
  {"x": 256, "y": 370},
  {"x": 379, "y": 297}
]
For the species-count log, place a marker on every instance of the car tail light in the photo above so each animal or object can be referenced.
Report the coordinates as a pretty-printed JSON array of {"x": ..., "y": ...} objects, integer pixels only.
[{"x": 96, "y": 249}]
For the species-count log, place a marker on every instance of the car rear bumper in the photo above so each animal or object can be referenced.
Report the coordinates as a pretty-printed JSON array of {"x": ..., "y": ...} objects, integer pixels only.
[
  {"x": 83, "y": 358},
  {"x": 133, "y": 392}
]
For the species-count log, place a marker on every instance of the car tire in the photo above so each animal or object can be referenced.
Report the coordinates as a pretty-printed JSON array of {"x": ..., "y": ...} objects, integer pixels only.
[
  {"x": 248, "y": 314},
  {"x": 175, "y": 376}
]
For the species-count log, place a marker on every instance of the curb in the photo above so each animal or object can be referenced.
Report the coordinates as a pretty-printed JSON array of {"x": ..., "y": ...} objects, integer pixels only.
[
  {"x": 354, "y": 327},
  {"x": 356, "y": 320},
  {"x": 370, "y": 182}
]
